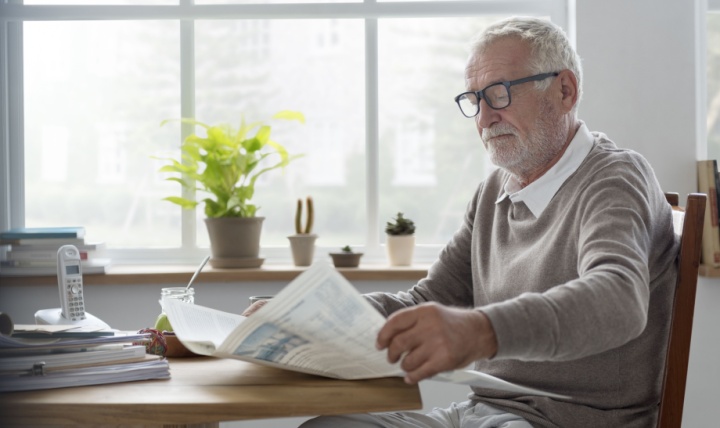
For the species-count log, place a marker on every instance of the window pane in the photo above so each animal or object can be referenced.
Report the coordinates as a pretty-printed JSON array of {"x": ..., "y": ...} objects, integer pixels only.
[
  {"x": 259, "y": 67},
  {"x": 431, "y": 157},
  {"x": 713, "y": 82},
  {"x": 101, "y": 2},
  {"x": 95, "y": 94},
  {"x": 203, "y": 2}
]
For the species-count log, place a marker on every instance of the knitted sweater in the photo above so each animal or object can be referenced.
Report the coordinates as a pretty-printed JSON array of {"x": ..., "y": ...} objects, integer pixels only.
[{"x": 579, "y": 298}]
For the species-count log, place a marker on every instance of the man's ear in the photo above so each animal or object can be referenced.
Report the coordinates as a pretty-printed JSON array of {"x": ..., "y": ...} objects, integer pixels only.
[{"x": 569, "y": 89}]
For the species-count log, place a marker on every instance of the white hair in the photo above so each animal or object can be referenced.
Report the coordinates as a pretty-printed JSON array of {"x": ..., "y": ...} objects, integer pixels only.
[{"x": 549, "y": 45}]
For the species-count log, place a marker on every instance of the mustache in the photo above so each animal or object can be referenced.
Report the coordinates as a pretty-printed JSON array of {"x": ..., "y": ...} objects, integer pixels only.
[{"x": 498, "y": 130}]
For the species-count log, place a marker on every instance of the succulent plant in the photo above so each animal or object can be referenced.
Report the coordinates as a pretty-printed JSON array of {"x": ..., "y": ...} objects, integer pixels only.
[
  {"x": 346, "y": 249},
  {"x": 400, "y": 226},
  {"x": 310, "y": 217}
]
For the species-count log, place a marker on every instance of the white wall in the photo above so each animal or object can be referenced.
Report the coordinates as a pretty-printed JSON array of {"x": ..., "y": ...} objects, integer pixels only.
[
  {"x": 639, "y": 63},
  {"x": 639, "y": 67}
]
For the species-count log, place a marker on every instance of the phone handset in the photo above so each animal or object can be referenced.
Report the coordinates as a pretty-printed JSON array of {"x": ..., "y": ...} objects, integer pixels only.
[
  {"x": 70, "y": 286},
  {"x": 70, "y": 283}
]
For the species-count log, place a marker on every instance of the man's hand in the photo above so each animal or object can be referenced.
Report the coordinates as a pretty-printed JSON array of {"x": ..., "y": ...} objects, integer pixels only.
[
  {"x": 431, "y": 338},
  {"x": 254, "y": 308}
]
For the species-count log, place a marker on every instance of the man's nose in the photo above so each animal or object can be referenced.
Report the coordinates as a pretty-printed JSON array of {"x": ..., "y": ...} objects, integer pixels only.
[{"x": 486, "y": 116}]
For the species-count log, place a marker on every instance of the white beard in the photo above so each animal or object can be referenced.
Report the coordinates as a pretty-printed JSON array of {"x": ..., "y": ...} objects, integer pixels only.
[{"x": 523, "y": 157}]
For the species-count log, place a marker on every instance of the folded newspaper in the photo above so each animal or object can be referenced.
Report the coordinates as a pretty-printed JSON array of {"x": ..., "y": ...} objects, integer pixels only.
[{"x": 318, "y": 324}]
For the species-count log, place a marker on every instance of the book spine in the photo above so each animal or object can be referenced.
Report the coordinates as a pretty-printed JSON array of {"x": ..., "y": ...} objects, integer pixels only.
[
  {"x": 27, "y": 263},
  {"x": 90, "y": 269},
  {"x": 716, "y": 177},
  {"x": 43, "y": 233},
  {"x": 40, "y": 255},
  {"x": 43, "y": 241},
  {"x": 46, "y": 263},
  {"x": 711, "y": 231},
  {"x": 88, "y": 246}
]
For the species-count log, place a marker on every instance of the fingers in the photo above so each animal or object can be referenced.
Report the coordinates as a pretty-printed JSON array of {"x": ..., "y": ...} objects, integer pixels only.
[
  {"x": 427, "y": 355},
  {"x": 254, "y": 308},
  {"x": 397, "y": 323},
  {"x": 412, "y": 335},
  {"x": 423, "y": 372},
  {"x": 431, "y": 338}
]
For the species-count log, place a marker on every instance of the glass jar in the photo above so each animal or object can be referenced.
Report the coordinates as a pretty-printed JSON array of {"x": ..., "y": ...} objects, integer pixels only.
[{"x": 183, "y": 294}]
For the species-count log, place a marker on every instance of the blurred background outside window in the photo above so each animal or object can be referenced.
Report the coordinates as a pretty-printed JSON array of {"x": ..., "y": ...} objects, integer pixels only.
[{"x": 97, "y": 89}]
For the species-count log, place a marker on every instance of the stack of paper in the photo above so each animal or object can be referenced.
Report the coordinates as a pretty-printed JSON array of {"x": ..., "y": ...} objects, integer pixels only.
[{"x": 44, "y": 357}]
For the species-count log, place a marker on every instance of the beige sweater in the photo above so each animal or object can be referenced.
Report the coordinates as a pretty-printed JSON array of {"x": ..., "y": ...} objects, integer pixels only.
[{"x": 579, "y": 298}]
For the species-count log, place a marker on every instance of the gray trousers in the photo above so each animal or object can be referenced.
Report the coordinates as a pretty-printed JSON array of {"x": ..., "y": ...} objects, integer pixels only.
[{"x": 458, "y": 415}]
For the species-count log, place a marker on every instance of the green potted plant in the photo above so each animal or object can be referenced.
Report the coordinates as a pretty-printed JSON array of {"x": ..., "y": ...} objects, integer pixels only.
[
  {"x": 302, "y": 243},
  {"x": 224, "y": 165},
  {"x": 346, "y": 257},
  {"x": 400, "y": 240}
]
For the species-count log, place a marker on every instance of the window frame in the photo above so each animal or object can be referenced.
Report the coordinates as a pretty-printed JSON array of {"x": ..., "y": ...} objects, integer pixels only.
[{"x": 13, "y": 13}]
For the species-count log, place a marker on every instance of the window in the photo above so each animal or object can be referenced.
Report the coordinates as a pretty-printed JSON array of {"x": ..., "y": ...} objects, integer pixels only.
[
  {"x": 713, "y": 80},
  {"x": 88, "y": 87}
]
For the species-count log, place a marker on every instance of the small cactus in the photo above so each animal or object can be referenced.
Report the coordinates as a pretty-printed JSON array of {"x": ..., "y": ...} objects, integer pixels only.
[
  {"x": 401, "y": 226},
  {"x": 346, "y": 249},
  {"x": 310, "y": 217}
]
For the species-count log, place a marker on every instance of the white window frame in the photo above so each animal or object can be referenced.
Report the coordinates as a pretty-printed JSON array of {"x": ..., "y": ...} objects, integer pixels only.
[{"x": 13, "y": 13}]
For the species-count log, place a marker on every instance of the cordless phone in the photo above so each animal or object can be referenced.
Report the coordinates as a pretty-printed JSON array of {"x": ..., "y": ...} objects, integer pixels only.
[
  {"x": 70, "y": 286},
  {"x": 70, "y": 283}
]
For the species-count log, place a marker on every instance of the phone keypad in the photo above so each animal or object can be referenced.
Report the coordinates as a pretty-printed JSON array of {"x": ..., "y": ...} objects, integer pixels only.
[{"x": 76, "y": 305}]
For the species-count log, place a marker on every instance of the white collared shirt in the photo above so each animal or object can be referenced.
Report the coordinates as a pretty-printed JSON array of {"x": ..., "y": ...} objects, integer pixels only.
[{"x": 538, "y": 194}]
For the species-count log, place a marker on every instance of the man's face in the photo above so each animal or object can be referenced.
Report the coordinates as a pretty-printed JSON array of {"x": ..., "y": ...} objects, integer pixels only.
[{"x": 528, "y": 134}]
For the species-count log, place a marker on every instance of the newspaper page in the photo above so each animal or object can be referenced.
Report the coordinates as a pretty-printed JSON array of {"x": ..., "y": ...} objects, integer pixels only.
[{"x": 318, "y": 324}]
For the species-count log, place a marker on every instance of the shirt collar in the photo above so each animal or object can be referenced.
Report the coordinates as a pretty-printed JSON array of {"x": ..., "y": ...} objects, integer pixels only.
[{"x": 538, "y": 194}]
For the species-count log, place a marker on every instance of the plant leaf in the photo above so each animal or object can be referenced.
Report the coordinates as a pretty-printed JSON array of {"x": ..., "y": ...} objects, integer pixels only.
[
  {"x": 290, "y": 115},
  {"x": 185, "y": 203}
]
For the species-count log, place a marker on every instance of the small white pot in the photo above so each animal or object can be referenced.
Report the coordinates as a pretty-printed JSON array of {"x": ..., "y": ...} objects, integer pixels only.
[{"x": 400, "y": 249}]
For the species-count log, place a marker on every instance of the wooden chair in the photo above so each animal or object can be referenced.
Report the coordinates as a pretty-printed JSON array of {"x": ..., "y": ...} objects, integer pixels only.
[{"x": 672, "y": 396}]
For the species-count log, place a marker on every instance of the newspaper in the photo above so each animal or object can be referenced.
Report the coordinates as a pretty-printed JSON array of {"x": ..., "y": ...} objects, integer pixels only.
[{"x": 318, "y": 324}]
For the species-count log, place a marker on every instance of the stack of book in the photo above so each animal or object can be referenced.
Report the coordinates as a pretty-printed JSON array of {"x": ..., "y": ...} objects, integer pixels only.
[
  {"x": 33, "y": 250},
  {"x": 44, "y": 357},
  {"x": 709, "y": 183}
]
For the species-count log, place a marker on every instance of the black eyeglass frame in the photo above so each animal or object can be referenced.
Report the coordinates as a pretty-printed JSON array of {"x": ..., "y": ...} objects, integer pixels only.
[{"x": 481, "y": 93}]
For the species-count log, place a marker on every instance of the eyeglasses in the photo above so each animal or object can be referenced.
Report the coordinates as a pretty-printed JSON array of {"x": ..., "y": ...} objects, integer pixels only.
[{"x": 497, "y": 95}]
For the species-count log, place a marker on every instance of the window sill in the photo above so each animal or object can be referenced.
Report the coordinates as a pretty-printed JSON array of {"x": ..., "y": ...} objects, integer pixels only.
[{"x": 174, "y": 274}]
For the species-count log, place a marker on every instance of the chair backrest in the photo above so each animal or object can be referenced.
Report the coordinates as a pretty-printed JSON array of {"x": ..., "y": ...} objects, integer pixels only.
[{"x": 678, "y": 352}]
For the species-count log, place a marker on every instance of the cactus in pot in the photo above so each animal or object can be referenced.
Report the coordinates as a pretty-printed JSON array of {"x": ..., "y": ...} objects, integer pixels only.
[
  {"x": 302, "y": 243},
  {"x": 310, "y": 216}
]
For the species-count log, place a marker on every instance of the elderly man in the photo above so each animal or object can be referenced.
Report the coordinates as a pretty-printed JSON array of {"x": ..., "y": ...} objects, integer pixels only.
[{"x": 560, "y": 276}]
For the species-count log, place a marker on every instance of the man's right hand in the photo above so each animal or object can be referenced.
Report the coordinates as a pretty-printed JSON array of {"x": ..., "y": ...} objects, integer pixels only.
[{"x": 431, "y": 338}]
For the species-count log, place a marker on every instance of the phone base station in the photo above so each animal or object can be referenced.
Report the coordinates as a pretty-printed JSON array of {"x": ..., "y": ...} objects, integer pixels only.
[{"x": 54, "y": 316}]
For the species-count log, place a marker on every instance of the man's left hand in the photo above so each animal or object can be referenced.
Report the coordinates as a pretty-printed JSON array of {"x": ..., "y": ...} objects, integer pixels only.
[{"x": 431, "y": 338}]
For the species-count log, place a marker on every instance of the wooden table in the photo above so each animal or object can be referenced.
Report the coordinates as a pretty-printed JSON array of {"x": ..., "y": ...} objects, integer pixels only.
[{"x": 203, "y": 392}]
